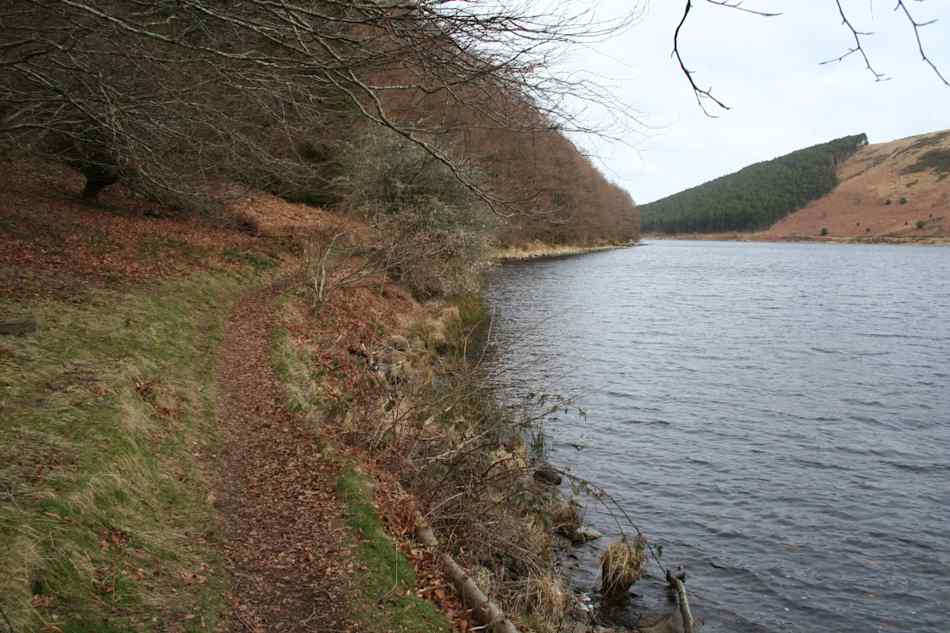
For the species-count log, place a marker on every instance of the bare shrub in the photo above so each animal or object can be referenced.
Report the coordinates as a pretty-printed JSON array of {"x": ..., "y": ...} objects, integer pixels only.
[{"x": 433, "y": 233}]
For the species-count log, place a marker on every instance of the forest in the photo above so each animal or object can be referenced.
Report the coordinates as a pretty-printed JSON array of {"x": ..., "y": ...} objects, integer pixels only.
[
  {"x": 754, "y": 197},
  {"x": 438, "y": 114}
]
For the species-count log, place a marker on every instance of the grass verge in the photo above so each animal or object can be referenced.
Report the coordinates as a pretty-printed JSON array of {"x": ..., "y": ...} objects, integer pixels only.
[
  {"x": 105, "y": 523},
  {"x": 386, "y": 601}
]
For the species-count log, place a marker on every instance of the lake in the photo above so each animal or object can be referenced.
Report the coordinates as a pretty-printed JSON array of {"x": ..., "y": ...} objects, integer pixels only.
[{"x": 776, "y": 415}]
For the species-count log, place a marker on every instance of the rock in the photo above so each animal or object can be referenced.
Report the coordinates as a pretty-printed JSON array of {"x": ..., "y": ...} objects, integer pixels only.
[
  {"x": 584, "y": 534},
  {"x": 547, "y": 475},
  {"x": 578, "y": 534},
  {"x": 17, "y": 328}
]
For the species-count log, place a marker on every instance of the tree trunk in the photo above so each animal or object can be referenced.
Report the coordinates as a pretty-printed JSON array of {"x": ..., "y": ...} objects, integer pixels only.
[{"x": 97, "y": 179}]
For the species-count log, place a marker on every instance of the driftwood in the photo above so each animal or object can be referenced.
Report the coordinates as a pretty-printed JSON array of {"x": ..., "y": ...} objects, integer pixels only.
[
  {"x": 687, "y": 615},
  {"x": 486, "y": 611}
]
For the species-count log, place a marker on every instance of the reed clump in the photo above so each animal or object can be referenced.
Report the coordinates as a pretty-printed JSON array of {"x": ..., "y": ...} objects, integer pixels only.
[{"x": 621, "y": 566}]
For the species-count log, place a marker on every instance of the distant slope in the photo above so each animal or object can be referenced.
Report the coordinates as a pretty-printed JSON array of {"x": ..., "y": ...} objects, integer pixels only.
[
  {"x": 754, "y": 197},
  {"x": 897, "y": 190}
]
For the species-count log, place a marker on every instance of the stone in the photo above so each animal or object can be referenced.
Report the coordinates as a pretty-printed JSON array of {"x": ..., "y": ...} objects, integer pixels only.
[
  {"x": 584, "y": 534},
  {"x": 578, "y": 534},
  {"x": 547, "y": 475}
]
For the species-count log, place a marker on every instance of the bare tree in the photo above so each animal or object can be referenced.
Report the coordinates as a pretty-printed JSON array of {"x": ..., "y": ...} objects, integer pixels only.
[{"x": 171, "y": 95}]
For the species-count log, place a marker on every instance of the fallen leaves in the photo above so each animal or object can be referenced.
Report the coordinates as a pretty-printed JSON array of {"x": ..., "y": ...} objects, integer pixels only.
[
  {"x": 281, "y": 518},
  {"x": 112, "y": 537},
  {"x": 54, "y": 244}
]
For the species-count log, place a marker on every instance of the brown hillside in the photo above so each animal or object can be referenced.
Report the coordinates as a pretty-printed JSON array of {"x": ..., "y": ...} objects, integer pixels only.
[{"x": 898, "y": 190}]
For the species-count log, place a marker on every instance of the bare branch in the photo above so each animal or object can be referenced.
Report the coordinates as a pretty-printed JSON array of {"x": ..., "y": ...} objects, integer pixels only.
[
  {"x": 700, "y": 93},
  {"x": 236, "y": 88},
  {"x": 737, "y": 5},
  {"x": 920, "y": 47},
  {"x": 858, "y": 46}
]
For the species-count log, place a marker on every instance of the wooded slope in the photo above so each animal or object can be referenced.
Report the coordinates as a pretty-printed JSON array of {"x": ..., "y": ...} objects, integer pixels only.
[
  {"x": 754, "y": 197},
  {"x": 446, "y": 119}
]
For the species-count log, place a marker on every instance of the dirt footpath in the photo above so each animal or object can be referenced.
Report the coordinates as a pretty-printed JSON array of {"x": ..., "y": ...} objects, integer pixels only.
[{"x": 281, "y": 521}]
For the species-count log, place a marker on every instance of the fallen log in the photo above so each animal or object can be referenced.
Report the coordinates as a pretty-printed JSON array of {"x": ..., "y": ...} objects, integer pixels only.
[
  {"x": 485, "y": 611},
  {"x": 687, "y": 615}
]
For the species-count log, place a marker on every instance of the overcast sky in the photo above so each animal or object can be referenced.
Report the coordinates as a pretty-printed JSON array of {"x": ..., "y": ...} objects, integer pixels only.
[{"x": 767, "y": 70}]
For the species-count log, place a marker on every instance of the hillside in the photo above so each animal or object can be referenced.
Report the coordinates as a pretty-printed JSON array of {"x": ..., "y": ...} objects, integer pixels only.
[
  {"x": 754, "y": 197},
  {"x": 898, "y": 190},
  {"x": 233, "y": 421}
]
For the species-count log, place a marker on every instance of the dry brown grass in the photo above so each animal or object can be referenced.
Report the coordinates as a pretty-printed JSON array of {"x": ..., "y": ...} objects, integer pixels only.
[
  {"x": 621, "y": 566},
  {"x": 539, "y": 250},
  {"x": 867, "y": 203},
  {"x": 540, "y": 600},
  {"x": 434, "y": 426},
  {"x": 565, "y": 514}
]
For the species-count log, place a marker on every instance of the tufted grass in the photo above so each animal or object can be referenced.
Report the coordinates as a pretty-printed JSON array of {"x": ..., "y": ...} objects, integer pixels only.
[{"x": 105, "y": 411}]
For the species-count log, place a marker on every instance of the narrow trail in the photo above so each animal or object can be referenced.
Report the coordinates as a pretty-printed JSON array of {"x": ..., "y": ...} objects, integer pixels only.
[{"x": 281, "y": 521}]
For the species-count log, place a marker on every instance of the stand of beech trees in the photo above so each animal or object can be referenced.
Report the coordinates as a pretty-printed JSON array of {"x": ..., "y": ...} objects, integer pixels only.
[
  {"x": 173, "y": 99},
  {"x": 754, "y": 197}
]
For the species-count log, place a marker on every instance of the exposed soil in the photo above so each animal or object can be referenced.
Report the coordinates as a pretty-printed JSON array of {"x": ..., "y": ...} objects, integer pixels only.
[
  {"x": 881, "y": 195},
  {"x": 281, "y": 521}
]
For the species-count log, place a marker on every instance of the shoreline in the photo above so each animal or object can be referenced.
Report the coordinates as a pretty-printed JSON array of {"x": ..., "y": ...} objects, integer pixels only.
[
  {"x": 540, "y": 250},
  {"x": 753, "y": 237}
]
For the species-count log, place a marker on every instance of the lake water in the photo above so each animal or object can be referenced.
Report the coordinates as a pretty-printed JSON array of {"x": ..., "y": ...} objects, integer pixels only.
[{"x": 777, "y": 416}]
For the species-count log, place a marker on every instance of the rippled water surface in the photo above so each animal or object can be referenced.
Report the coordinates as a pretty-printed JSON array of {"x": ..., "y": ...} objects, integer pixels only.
[{"x": 776, "y": 415}]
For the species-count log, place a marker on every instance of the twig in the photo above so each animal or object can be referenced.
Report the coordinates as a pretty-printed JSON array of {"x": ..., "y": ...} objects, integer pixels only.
[
  {"x": 600, "y": 494},
  {"x": 320, "y": 283},
  {"x": 700, "y": 93},
  {"x": 737, "y": 5},
  {"x": 917, "y": 26},
  {"x": 858, "y": 46}
]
